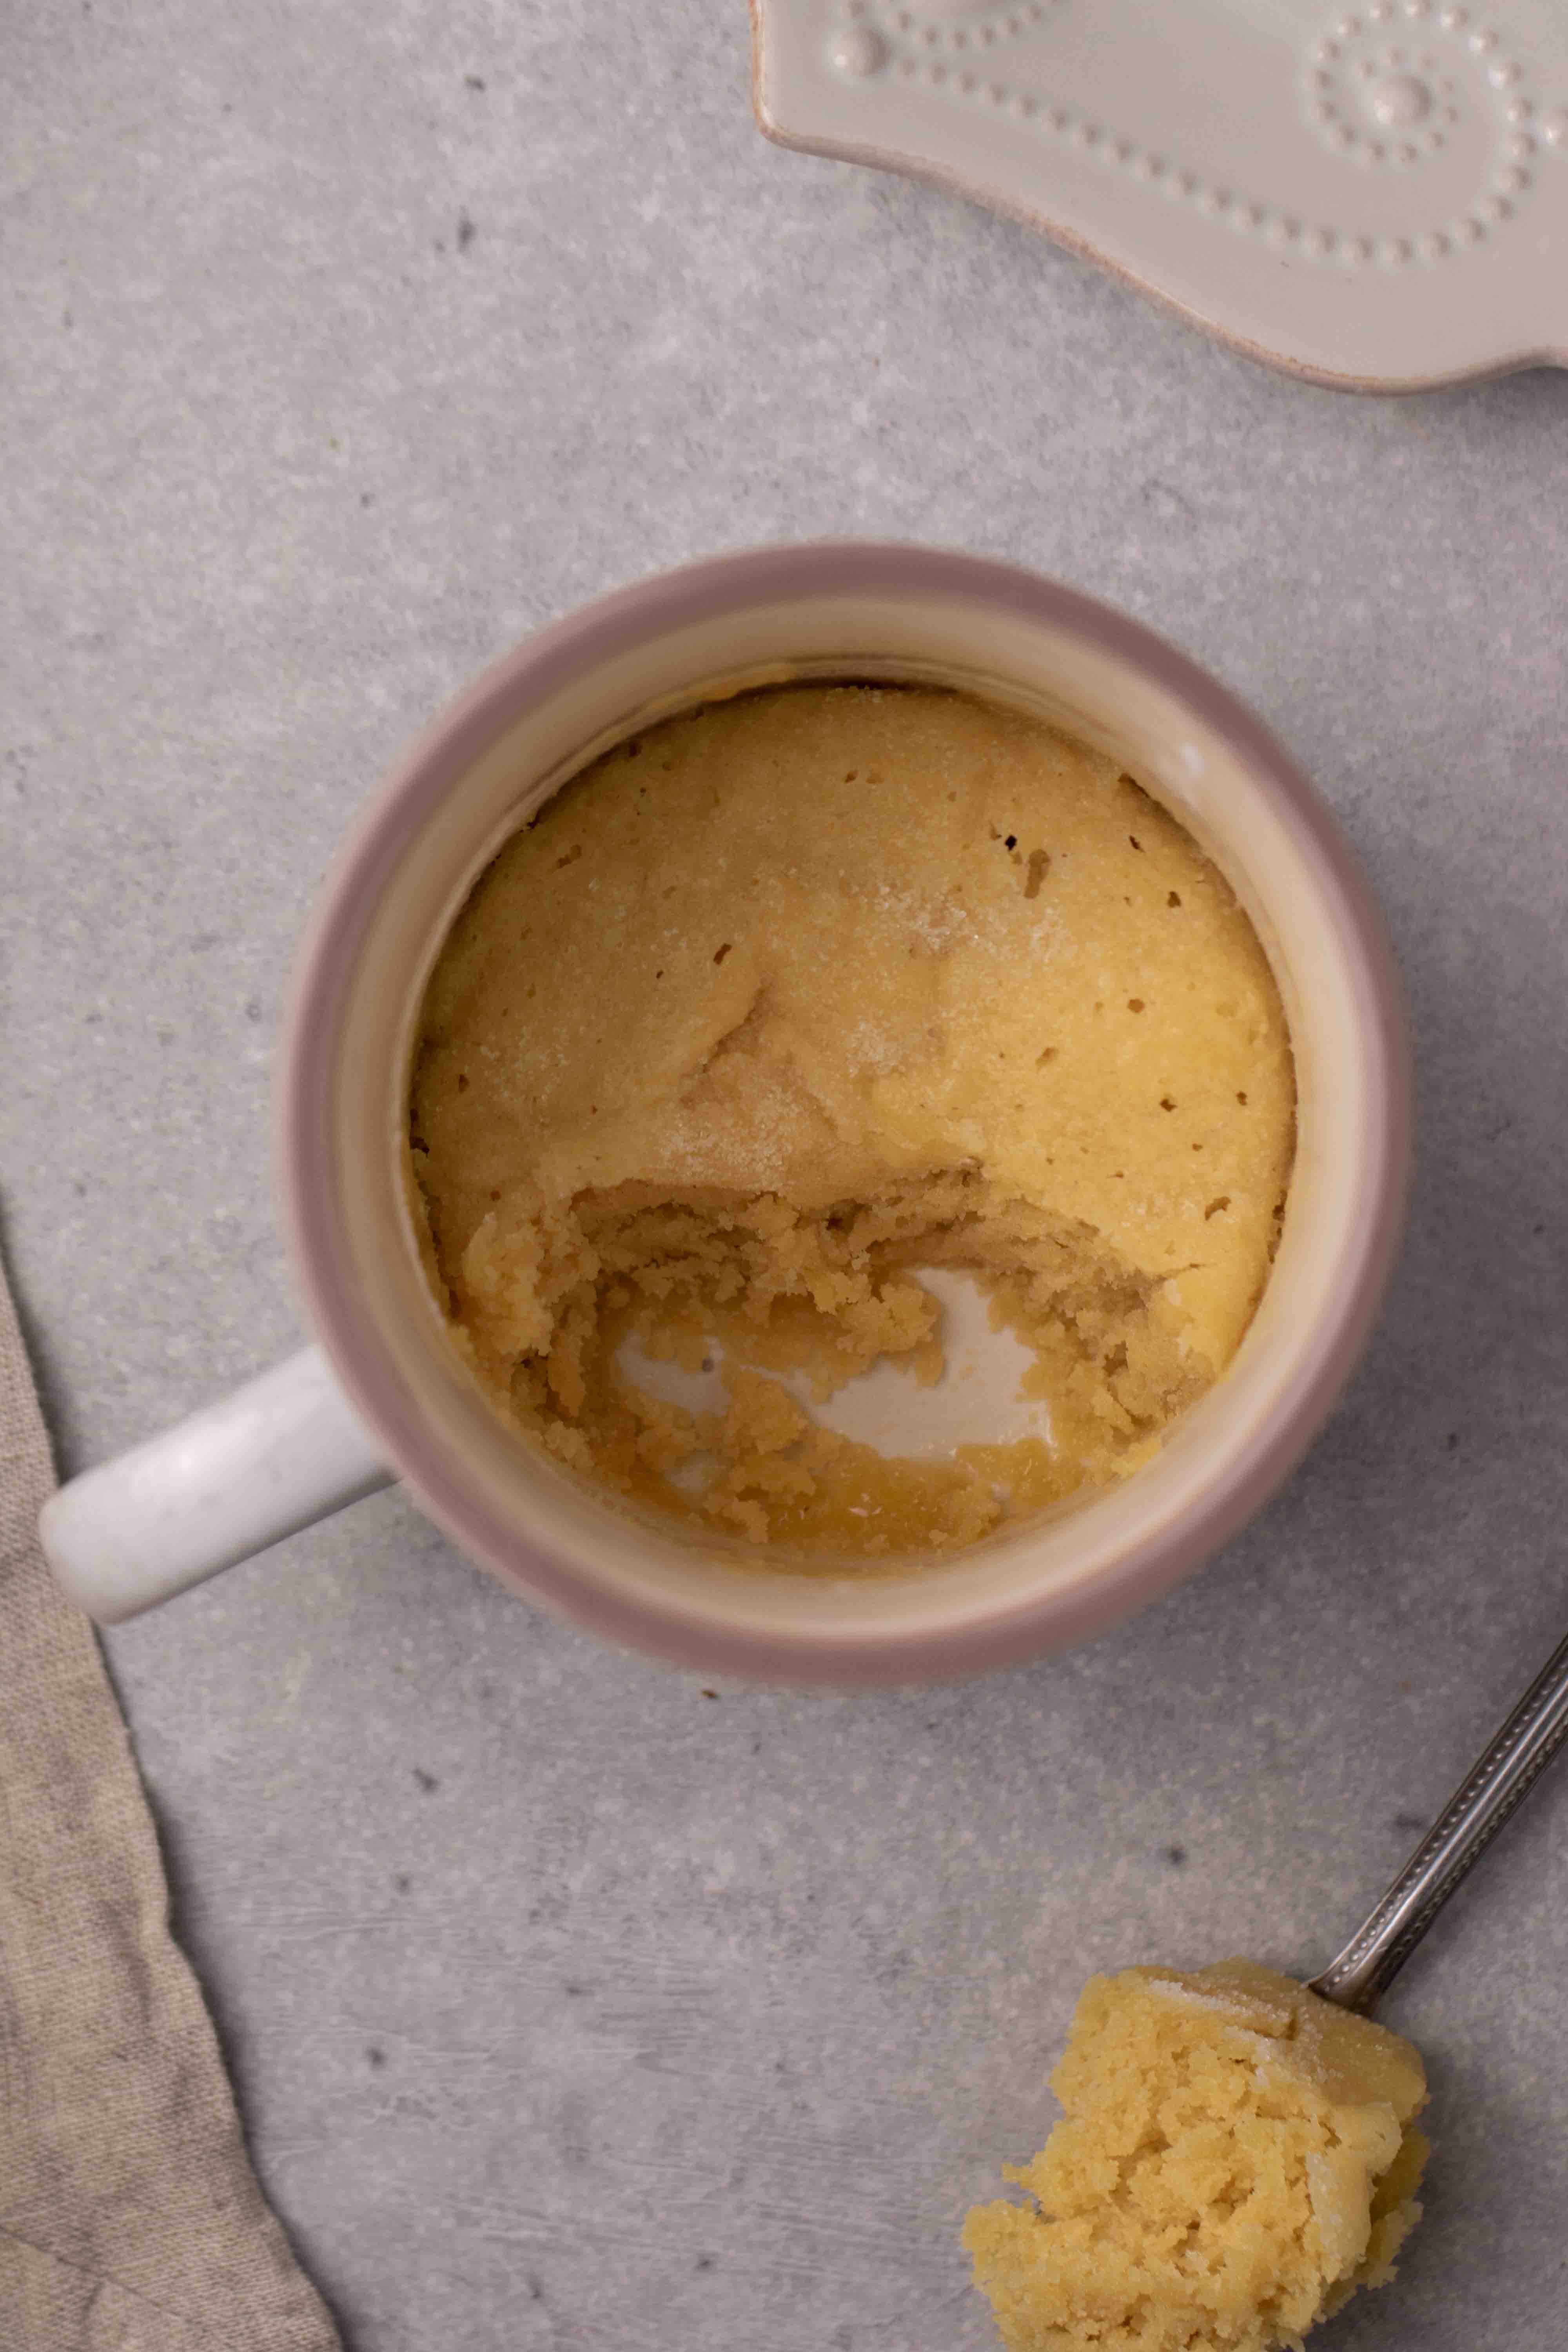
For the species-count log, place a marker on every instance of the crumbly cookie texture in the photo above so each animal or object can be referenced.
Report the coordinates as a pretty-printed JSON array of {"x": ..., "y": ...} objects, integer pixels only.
[
  {"x": 1235, "y": 2158},
  {"x": 801, "y": 991}
]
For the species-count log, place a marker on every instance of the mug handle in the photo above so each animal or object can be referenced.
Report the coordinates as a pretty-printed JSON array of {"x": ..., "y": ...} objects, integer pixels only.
[{"x": 282, "y": 1451}]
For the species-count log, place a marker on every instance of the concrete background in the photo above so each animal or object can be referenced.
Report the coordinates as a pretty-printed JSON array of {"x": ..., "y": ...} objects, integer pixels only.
[{"x": 568, "y": 2004}]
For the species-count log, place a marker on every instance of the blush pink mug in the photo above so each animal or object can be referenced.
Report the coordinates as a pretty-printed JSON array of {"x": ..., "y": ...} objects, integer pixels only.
[{"x": 382, "y": 1395}]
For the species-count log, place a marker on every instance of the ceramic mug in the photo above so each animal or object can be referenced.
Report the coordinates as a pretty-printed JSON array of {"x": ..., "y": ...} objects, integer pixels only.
[{"x": 384, "y": 1396}]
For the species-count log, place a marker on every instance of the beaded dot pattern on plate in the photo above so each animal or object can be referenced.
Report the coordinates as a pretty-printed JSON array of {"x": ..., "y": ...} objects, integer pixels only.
[
  {"x": 1388, "y": 87},
  {"x": 934, "y": 29},
  {"x": 1385, "y": 87}
]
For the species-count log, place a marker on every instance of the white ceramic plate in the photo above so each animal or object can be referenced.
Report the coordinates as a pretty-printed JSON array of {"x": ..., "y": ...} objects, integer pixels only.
[{"x": 1375, "y": 197}]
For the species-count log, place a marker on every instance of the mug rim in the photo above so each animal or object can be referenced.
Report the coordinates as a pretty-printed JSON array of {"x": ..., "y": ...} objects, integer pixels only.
[{"x": 566, "y": 650}]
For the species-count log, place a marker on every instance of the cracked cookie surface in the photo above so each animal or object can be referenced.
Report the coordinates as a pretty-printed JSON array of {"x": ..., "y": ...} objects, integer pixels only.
[{"x": 795, "y": 994}]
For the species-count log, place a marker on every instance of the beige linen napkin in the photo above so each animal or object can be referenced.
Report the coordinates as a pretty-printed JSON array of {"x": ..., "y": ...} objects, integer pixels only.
[{"x": 130, "y": 2217}]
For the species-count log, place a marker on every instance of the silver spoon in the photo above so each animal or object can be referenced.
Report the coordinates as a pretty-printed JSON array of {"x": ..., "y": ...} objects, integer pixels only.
[{"x": 1498, "y": 1781}]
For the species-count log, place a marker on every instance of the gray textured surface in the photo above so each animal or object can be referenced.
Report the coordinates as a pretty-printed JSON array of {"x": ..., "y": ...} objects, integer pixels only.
[{"x": 569, "y": 2005}]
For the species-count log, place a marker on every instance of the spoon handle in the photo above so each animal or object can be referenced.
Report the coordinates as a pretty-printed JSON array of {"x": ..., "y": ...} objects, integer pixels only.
[{"x": 1501, "y": 1778}]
